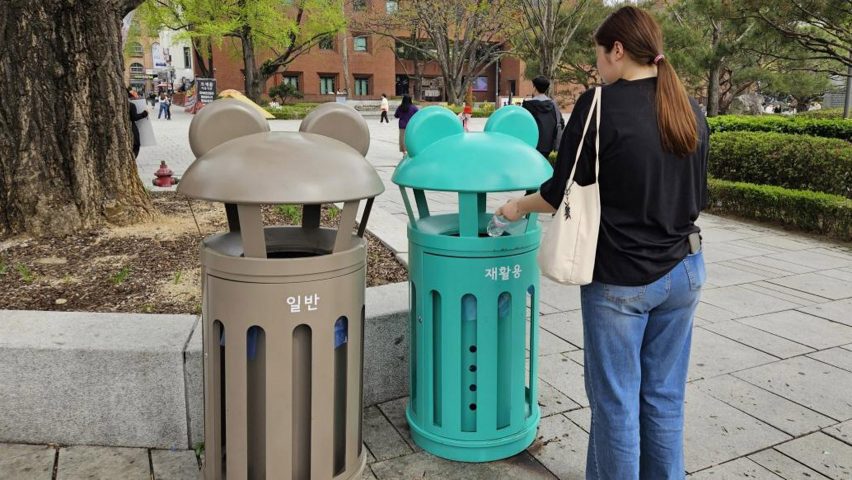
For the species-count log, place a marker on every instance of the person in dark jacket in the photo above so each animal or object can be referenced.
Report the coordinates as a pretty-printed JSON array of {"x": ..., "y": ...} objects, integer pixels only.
[
  {"x": 547, "y": 116},
  {"x": 404, "y": 112},
  {"x": 134, "y": 117}
]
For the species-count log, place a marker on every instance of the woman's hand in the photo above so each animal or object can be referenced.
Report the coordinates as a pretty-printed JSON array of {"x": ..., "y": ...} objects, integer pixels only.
[{"x": 511, "y": 210}]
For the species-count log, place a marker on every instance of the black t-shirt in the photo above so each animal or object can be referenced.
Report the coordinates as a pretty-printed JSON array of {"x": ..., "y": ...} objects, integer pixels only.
[{"x": 650, "y": 199}]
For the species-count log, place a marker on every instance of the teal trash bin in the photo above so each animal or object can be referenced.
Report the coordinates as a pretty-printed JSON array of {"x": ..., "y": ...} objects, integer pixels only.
[{"x": 473, "y": 394}]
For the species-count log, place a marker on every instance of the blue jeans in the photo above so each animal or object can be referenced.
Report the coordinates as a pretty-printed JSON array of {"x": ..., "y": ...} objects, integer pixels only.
[{"x": 637, "y": 342}]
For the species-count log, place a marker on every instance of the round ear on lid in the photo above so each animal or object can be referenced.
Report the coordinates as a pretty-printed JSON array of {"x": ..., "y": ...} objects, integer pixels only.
[{"x": 339, "y": 122}]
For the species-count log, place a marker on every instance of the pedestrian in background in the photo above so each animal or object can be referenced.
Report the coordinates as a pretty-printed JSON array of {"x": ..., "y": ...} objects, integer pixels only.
[
  {"x": 404, "y": 112},
  {"x": 163, "y": 106},
  {"x": 385, "y": 108},
  {"x": 547, "y": 116},
  {"x": 134, "y": 117}
]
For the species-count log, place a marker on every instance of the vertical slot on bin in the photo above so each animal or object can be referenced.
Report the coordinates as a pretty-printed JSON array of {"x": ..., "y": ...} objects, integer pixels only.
[
  {"x": 256, "y": 401},
  {"x": 504, "y": 360},
  {"x": 219, "y": 332},
  {"x": 469, "y": 363},
  {"x": 437, "y": 368},
  {"x": 361, "y": 388},
  {"x": 412, "y": 355},
  {"x": 530, "y": 373},
  {"x": 302, "y": 367},
  {"x": 341, "y": 344}
]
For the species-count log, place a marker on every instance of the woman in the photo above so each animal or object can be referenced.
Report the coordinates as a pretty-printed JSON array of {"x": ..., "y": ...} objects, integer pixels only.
[
  {"x": 637, "y": 312},
  {"x": 404, "y": 112}
]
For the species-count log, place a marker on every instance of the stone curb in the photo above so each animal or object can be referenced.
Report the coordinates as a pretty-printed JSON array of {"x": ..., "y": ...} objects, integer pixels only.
[{"x": 135, "y": 380}]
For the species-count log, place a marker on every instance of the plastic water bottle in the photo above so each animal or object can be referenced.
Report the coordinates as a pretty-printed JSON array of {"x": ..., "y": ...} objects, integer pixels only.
[{"x": 497, "y": 225}]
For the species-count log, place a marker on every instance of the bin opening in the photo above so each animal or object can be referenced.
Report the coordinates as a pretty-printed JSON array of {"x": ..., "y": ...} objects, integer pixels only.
[
  {"x": 481, "y": 234},
  {"x": 296, "y": 253}
]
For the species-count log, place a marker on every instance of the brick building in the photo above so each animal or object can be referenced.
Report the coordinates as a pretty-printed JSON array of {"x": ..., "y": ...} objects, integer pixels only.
[{"x": 374, "y": 68}]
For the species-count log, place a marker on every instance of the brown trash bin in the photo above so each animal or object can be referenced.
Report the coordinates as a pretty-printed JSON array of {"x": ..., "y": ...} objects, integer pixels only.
[{"x": 283, "y": 306}]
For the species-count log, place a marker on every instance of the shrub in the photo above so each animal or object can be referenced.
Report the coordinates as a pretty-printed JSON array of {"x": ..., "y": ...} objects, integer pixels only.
[
  {"x": 825, "y": 113},
  {"x": 829, "y": 128},
  {"x": 483, "y": 111},
  {"x": 810, "y": 211},
  {"x": 792, "y": 161},
  {"x": 283, "y": 91},
  {"x": 292, "y": 112}
]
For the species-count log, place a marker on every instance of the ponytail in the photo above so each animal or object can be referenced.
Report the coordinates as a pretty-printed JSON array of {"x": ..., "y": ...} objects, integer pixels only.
[
  {"x": 642, "y": 39},
  {"x": 675, "y": 117}
]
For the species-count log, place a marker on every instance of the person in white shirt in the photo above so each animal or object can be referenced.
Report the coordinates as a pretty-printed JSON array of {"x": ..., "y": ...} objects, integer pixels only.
[{"x": 385, "y": 108}]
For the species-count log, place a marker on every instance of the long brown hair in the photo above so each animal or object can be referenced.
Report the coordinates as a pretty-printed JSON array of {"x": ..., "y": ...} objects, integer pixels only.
[{"x": 642, "y": 39}]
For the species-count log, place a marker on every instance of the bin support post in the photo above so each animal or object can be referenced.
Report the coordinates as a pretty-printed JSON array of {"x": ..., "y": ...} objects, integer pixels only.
[
  {"x": 311, "y": 216},
  {"x": 468, "y": 215},
  {"x": 347, "y": 222},
  {"x": 251, "y": 230}
]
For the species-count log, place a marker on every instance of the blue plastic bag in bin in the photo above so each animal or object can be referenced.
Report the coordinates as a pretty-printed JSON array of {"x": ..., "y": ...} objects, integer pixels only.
[{"x": 341, "y": 332}]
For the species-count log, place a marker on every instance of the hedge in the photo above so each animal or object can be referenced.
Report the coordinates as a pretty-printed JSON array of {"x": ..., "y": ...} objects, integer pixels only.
[
  {"x": 818, "y": 127},
  {"x": 824, "y": 113},
  {"x": 484, "y": 111},
  {"x": 821, "y": 213},
  {"x": 295, "y": 111},
  {"x": 792, "y": 161}
]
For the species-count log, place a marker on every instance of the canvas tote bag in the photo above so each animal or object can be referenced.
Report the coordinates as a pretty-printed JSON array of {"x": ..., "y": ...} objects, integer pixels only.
[{"x": 567, "y": 252}]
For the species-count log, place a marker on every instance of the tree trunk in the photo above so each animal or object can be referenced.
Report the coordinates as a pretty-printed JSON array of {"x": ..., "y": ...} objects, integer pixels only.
[
  {"x": 66, "y": 157},
  {"x": 250, "y": 71},
  {"x": 715, "y": 76},
  {"x": 205, "y": 67},
  {"x": 345, "y": 53}
]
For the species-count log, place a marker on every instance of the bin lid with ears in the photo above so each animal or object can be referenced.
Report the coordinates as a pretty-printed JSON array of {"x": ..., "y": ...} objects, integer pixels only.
[{"x": 323, "y": 163}]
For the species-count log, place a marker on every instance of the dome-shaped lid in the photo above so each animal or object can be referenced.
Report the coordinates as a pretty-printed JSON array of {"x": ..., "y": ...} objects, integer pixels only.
[
  {"x": 223, "y": 120},
  {"x": 443, "y": 157},
  {"x": 281, "y": 167}
]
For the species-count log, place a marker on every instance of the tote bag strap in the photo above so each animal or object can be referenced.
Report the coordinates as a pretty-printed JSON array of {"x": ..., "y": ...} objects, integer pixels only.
[{"x": 594, "y": 109}]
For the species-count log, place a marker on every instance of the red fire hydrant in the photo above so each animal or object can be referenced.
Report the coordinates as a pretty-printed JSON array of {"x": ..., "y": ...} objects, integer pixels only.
[{"x": 164, "y": 176}]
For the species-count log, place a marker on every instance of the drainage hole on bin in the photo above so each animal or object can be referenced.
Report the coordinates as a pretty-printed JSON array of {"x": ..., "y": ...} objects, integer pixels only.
[
  {"x": 473, "y": 406},
  {"x": 472, "y": 349},
  {"x": 472, "y": 368},
  {"x": 473, "y": 388}
]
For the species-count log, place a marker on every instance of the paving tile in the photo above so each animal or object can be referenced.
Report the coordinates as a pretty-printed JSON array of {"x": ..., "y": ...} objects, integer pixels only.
[
  {"x": 802, "y": 328},
  {"x": 791, "y": 268},
  {"x": 368, "y": 474},
  {"x": 561, "y": 447},
  {"x": 739, "y": 468},
  {"x": 839, "y": 357},
  {"x": 723, "y": 275},
  {"x": 781, "y": 241},
  {"x": 807, "y": 382},
  {"x": 713, "y": 355},
  {"x": 744, "y": 302},
  {"x": 758, "y": 339},
  {"x": 577, "y": 356},
  {"x": 26, "y": 462},
  {"x": 561, "y": 297},
  {"x": 581, "y": 417},
  {"x": 565, "y": 375},
  {"x": 722, "y": 252},
  {"x": 803, "y": 299},
  {"x": 566, "y": 325},
  {"x": 822, "y": 453},
  {"x": 76, "y": 463},
  {"x": 757, "y": 269},
  {"x": 551, "y": 401},
  {"x": 839, "y": 274},
  {"x": 841, "y": 431},
  {"x": 174, "y": 465},
  {"x": 818, "y": 284},
  {"x": 549, "y": 343},
  {"x": 785, "y": 466},
  {"x": 370, "y": 457},
  {"x": 712, "y": 313},
  {"x": 422, "y": 466},
  {"x": 381, "y": 437},
  {"x": 725, "y": 234},
  {"x": 839, "y": 311},
  {"x": 394, "y": 410},
  {"x": 812, "y": 258},
  {"x": 716, "y": 432},
  {"x": 779, "y": 412}
]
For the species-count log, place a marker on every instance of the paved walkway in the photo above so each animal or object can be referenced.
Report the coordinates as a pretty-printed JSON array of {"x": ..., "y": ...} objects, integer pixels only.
[{"x": 770, "y": 384}]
